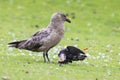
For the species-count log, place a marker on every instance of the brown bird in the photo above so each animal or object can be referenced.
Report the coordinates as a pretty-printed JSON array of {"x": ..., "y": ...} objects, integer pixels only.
[{"x": 45, "y": 39}]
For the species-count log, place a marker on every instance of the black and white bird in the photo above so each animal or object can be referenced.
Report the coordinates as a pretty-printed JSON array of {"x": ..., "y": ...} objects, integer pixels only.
[
  {"x": 45, "y": 39},
  {"x": 71, "y": 53}
]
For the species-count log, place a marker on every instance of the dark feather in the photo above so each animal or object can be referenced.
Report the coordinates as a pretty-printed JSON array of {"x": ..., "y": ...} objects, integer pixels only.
[
  {"x": 74, "y": 50},
  {"x": 16, "y": 44}
]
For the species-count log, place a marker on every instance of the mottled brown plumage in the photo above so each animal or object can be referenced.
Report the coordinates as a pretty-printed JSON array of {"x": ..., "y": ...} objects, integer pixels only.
[{"x": 45, "y": 39}]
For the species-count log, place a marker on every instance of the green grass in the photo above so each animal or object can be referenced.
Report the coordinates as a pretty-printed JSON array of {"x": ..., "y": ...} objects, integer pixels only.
[{"x": 96, "y": 26}]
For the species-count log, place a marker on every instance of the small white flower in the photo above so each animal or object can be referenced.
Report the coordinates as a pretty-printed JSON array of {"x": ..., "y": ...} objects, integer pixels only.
[
  {"x": 39, "y": 54},
  {"x": 106, "y": 64},
  {"x": 102, "y": 55},
  {"x": 108, "y": 72},
  {"x": 118, "y": 54},
  {"x": 98, "y": 57},
  {"x": 65, "y": 70},
  {"x": 108, "y": 45},
  {"x": 118, "y": 62},
  {"x": 97, "y": 65},
  {"x": 20, "y": 50},
  {"x": 88, "y": 55},
  {"x": 5, "y": 78},
  {"x": 54, "y": 56},
  {"x": 23, "y": 54},
  {"x": 68, "y": 39},
  {"x": 76, "y": 45},
  {"x": 13, "y": 35},
  {"x": 106, "y": 60},
  {"x": 57, "y": 68},
  {"x": 85, "y": 62},
  {"x": 30, "y": 55},
  {"x": 111, "y": 51},
  {"x": 89, "y": 24}
]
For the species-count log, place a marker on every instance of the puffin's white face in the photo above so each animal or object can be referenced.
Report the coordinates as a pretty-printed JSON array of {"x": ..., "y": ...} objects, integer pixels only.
[{"x": 62, "y": 57}]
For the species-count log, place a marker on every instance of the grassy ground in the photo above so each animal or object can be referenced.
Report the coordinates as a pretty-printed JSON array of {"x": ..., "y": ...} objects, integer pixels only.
[{"x": 95, "y": 25}]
